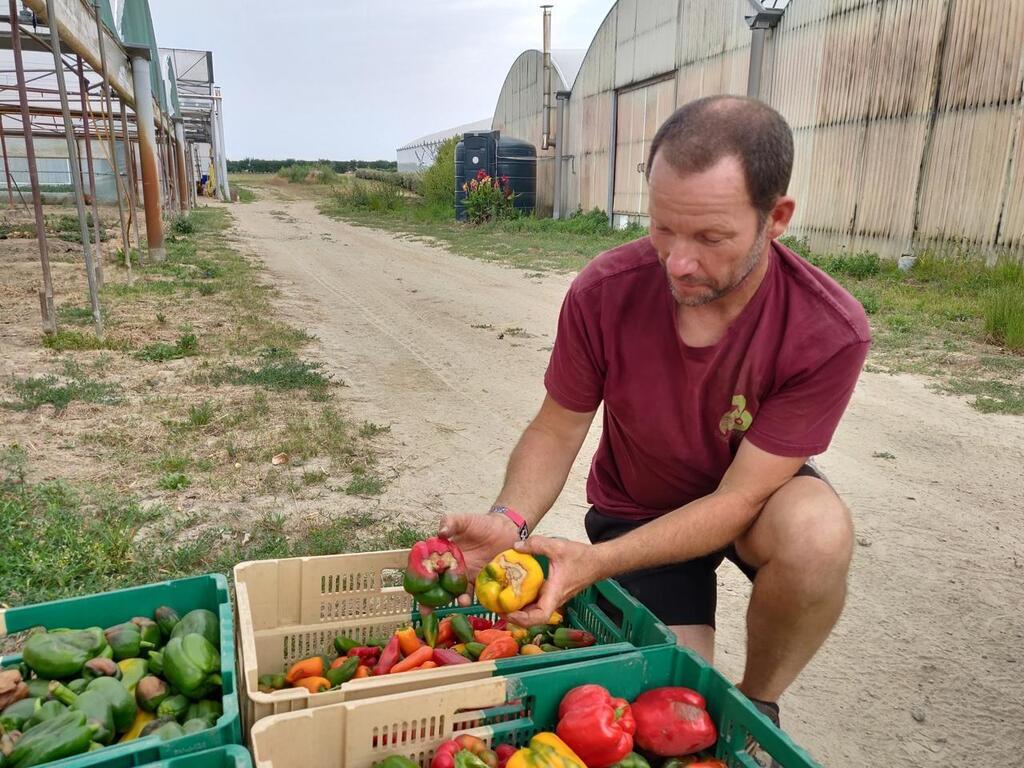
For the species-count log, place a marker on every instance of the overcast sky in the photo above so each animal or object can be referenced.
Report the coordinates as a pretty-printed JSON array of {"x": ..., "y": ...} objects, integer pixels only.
[{"x": 357, "y": 78}]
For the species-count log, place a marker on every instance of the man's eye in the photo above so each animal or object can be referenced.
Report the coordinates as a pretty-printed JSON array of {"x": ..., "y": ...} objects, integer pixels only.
[{"x": 711, "y": 239}]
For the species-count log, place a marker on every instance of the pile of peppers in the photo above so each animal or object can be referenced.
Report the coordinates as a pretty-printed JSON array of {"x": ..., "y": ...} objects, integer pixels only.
[
  {"x": 78, "y": 690},
  {"x": 666, "y": 727}
]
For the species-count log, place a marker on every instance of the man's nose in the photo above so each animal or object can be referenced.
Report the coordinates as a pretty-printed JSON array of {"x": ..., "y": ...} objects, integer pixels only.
[{"x": 681, "y": 263}]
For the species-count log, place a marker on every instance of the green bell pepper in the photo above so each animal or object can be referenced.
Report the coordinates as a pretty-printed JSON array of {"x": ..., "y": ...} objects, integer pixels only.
[
  {"x": 100, "y": 667},
  {"x": 207, "y": 709},
  {"x": 61, "y": 653},
  {"x": 126, "y": 641},
  {"x": 151, "y": 692},
  {"x": 192, "y": 664},
  {"x": 98, "y": 712},
  {"x": 38, "y": 688},
  {"x": 199, "y": 622},
  {"x": 17, "y": 714},
  {"x": 121, "y": 701},
  {"x": 149, "y": 630},
  {"x": 174, "y": 707},
  {"x": 166, "y": 618},
  {"x": 632, "y": 760},
  {"x": 45, "y": 710},
  {"x": 396, "y": 761},
  {"x": 156, "y": 662},
  {"x": 65, "y": 735},
  {"x": 167, "y": 730},
  {"x": 195, "y": 725},
  {"x": 78, "y": 686},
  {"x": 343, "y": 644}
]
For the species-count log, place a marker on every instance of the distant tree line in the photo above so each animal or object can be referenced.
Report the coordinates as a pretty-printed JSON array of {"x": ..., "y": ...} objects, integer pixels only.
[{"x": 255, "y": 165}]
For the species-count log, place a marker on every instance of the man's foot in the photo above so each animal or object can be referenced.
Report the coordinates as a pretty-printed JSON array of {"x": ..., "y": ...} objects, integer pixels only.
[{"x": 770, "y": 710}]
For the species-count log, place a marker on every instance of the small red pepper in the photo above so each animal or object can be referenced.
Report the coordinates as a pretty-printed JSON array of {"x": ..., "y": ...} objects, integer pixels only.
[
  {"x": 445, "y": 755},
  {"x": 673, "y": 721},
  {"x": 445, "y": 632},
  {"x": 479, "y": 622},
  {"x": 390, "y": 656},
  {"x": 504, "y": 753},
  {"x": 596, "y": 726},
  {"x": 365, "y": 651}
]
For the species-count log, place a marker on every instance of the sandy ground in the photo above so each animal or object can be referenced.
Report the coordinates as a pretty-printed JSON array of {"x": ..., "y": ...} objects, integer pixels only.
[{"x": 926, "y": 666}]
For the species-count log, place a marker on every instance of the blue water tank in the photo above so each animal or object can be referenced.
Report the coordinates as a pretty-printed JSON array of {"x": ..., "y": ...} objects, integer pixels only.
[{"x": 499, "y": 156}]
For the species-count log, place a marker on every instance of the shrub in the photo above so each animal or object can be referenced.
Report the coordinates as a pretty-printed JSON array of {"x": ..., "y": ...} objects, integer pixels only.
[
  {"x": 437, "y": 184},
  {"x": 1004, "y": 317},
  {"x": 488, "y": 199}
]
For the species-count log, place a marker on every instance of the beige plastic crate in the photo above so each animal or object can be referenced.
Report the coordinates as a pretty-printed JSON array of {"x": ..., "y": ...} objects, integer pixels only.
[
  {"x": 360, "y": 733},
  {"x": 294, "y": 608}
]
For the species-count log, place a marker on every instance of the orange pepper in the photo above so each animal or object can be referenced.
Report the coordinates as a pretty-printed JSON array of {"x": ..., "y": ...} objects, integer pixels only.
[
  {"x": 530, "y": 650},
  {"x": 488, "y": 636},
  {"x": 502, "y": 648},
  {"x": 407, "y": 640},
  {"x": 313, "y": 684},
  {"x": 311, "y": 667},
  {"x": 430, "y": 664},
  {"x": 361, "y": 671},
  {"x": 445, "y": 631}
]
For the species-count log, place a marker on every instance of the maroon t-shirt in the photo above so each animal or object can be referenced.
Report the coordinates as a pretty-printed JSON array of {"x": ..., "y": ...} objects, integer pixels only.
[{"x": 674, "y": 415}]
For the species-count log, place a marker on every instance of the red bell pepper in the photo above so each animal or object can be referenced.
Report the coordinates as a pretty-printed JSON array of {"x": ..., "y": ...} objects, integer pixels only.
[
  {"x": 504, "y": 753},
  {"x": 390, "y": 656},
  {"x": 673, "y": 721},
  {"x": 448, "y": 754},
  {"x": 479, "y": 622},
  {"x": 596, "y": 726},
  {"x": 436, "y": 572}
]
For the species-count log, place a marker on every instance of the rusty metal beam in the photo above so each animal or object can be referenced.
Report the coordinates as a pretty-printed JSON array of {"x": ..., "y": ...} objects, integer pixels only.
[{"x": 148, "y": 157}]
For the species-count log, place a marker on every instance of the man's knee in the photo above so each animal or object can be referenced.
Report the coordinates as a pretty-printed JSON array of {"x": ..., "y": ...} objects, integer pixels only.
[{"x": 806, "y": 529}]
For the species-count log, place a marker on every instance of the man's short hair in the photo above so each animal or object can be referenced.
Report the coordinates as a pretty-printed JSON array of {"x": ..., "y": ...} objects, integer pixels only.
[{"x": 702, "y": 132}]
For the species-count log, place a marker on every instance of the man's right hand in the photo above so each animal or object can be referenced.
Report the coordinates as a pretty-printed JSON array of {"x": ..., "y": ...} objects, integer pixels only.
[{"x": 480, "y": 537}]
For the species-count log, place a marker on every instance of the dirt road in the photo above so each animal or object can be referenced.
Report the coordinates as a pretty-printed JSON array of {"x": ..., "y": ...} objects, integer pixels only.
[{"x": 927, "y": 664}]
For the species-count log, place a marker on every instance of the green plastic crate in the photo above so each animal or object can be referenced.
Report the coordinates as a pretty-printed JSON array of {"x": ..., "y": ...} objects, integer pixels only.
[
  {"x": 293, "y": 608},
  {"x": 108, "y": 608},
  {"x": 510, "y": 709},
  {"x": 231, "y": 756}
]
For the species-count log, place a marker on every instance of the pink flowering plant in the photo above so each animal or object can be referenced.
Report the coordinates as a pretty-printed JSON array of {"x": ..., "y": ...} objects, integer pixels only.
[{"x": 488, "y": 198}]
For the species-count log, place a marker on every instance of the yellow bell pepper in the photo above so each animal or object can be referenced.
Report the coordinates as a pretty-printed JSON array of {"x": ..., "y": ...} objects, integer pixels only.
[
  {"x": 509, "y": 582},
  {"x": 141, "y": 718},
  {"x": 545, "y": 750}
]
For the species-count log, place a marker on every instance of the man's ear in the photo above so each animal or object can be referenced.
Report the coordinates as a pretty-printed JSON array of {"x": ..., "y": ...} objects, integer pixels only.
[{"x": 778, "y": 219}]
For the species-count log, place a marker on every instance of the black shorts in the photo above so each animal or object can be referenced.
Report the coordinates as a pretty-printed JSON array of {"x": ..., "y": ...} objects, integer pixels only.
[{"x": 680, "y": 593}]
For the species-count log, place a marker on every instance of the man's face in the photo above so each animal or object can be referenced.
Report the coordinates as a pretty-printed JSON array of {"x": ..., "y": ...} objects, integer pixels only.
[{"x": 707, "y": 233}]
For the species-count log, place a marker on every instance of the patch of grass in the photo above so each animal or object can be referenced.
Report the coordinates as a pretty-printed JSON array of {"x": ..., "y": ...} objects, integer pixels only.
[
  {"x": 883, "y": 455},
  {"x": 200, "y": 415},
  {"x": 369, "y": 429},
  {"x": 364, "y": 484},
  {"x": 990, "y": 395},
  {"x": 172, "y": 463},
  {"x": 280, "y": 369},
  {"x": 187, "y": 345},
  {"x": 245, "y": 195},
  {"x": 77, "y": 315},
  {"x": 1004, "y": 316},
  {"x": 314, "y": 477},
  {"x": 174, "y": 481},
  {"x": 182, "y": 224},
  {"x": 61, "y": 391},
  {"x": 64, "y": 340},
  {"x": 326, "y": 434},
  {"x": 370, "y": 196}
]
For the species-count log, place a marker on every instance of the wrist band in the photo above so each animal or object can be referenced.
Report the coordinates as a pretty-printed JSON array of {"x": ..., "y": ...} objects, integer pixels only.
[{"x": 515, "y": 517}]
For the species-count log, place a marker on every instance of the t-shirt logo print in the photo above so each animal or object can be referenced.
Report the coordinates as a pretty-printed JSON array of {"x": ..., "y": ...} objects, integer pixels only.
[{"x": 739, "y": 418}]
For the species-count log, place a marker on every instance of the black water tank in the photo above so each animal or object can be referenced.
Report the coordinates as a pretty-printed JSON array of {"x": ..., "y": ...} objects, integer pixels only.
[{"x": 499, "y": 156}]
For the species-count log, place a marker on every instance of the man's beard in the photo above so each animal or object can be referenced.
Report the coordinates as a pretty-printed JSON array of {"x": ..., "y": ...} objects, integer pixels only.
[{"x": 716, "y": 291}]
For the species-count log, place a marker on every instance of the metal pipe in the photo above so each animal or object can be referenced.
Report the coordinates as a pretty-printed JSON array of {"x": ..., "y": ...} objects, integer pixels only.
[
  {"x": 222, "y": 160},
  {"x": 546, "y": 135},
  {"x": 92, "y": 175},
  {"x": 7, "y": 165},
  {"x": 147, "y": 150},
  {"x": 179, "y": 134},
  {"x": 111, "y": 148},
  {"x": 129, "y": 172},
  {"x": 46, "y": 294},
  {"x": 561, "y": 97},
  {"x": 757, "y": 36},
  {"x": 76, "y": 181},
  {"x": 611, "y": 159}
]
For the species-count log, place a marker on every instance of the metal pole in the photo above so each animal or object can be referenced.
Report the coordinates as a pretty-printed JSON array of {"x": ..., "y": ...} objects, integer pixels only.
[
  {"x": 147, "y": 149},
  {"x": 46, "y": 294},
  {"x": 546, "y": 130},
  {"x": 83, "y": 91},
  {"x": 111, "y": 149},
  {"x": 561, "y": 96},
  {"x": 611, "y": 159},
  {"x": 222, "y": 159},
  {"x": 757, "y": 35},
  {"x": 179, "y": 134},
  {"x": 76, "y": 181},
  {"x": 7, "y": 164},
  {"x": 129, "y": 172}
]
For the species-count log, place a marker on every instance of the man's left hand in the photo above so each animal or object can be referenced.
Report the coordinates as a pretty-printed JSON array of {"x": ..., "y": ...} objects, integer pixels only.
[{"x": 571, "y": 569}]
